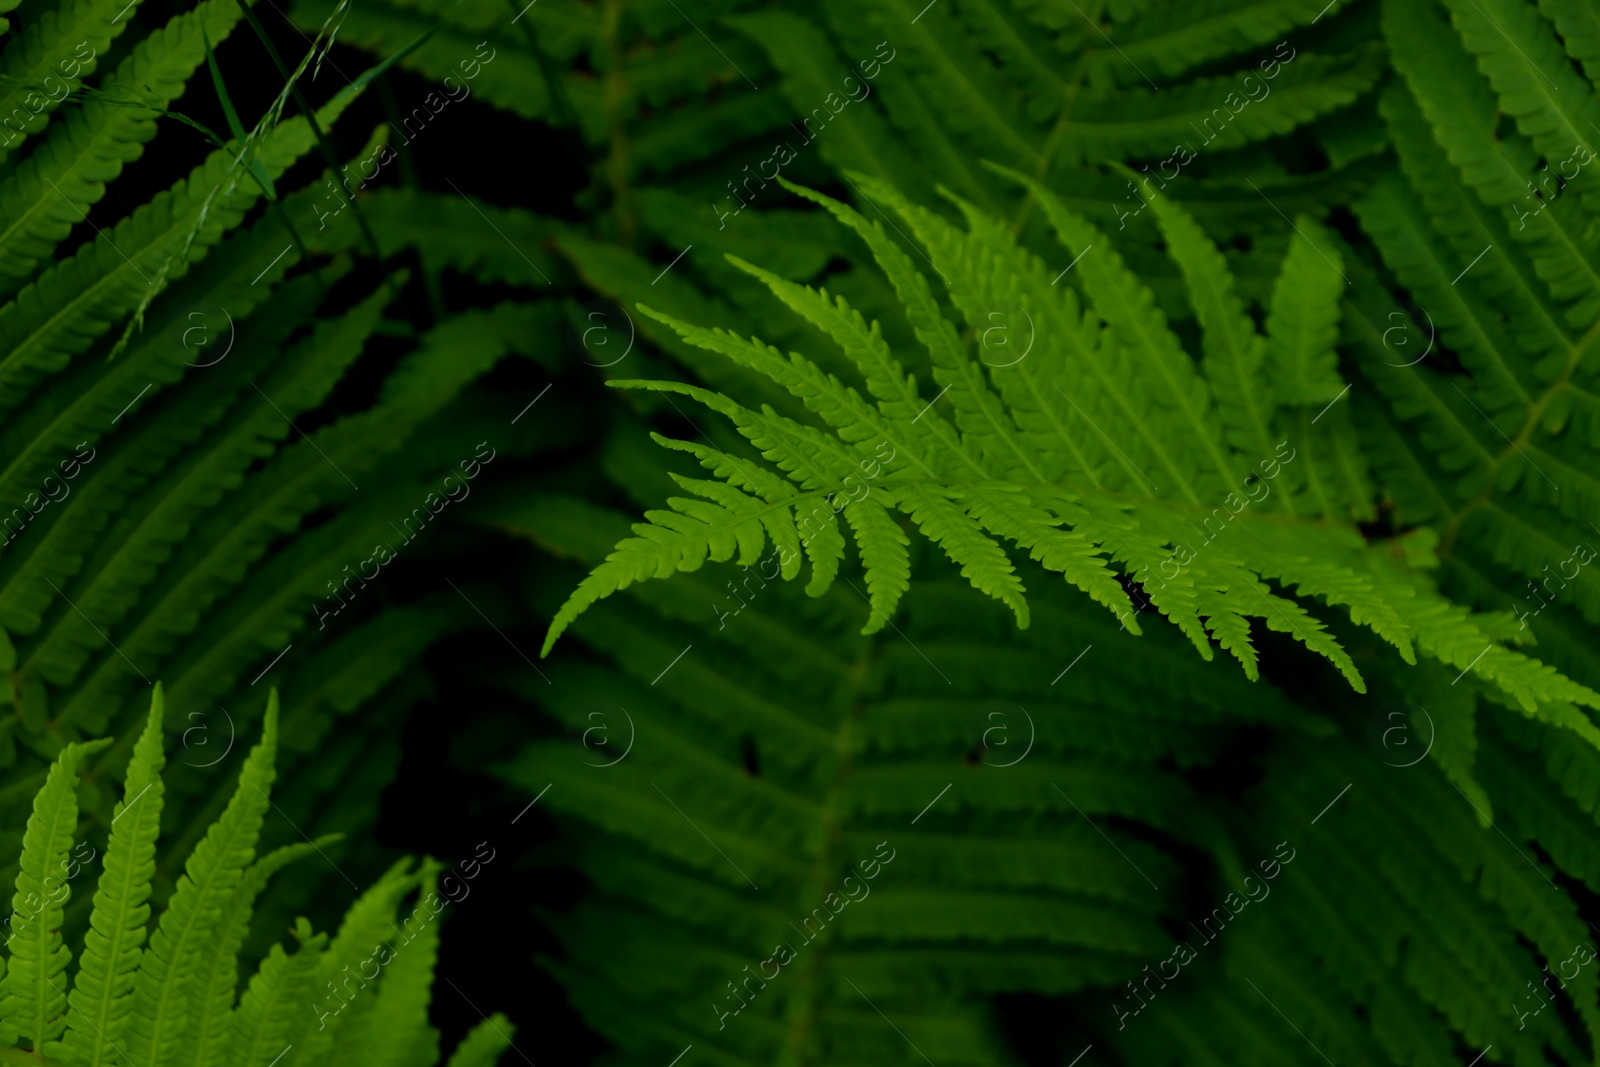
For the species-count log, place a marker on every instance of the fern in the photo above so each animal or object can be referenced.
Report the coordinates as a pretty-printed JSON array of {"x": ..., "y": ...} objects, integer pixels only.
[
  {"x": 1407, "y": 962},
  {"x": 47, "y": 60},
  {"x": 974, "y": 61},
  {"x": 164, "y": 515},
  {"x": 31, "y": 1000},
  {"x": 795, "y": 744},
  {"x": 101, "y": 995},
  {"x": 1170, "y": 364},
  {"x": 685, "y": 151},
  {"x": 140, "y": 1004},
  {"x": 163, "y": 1002},
  {"x": 48, "y": 190},
  {"x": 995, "y": 472},
  {"x": 809, "y": 754}
]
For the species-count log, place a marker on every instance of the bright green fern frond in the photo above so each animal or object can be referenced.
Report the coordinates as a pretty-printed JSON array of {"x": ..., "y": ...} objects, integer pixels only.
[
  {"x": 113, "y": 946},
  {"x": 484, "y": 1043},
  {"x": 397, "y": 1031},
  {"x": 979, "y": 413},
  {"x": 164, "y": 989},
  {"x": 194, "y": 1016},
  {"x": 272, "y": 1011},
  {"x": 1181, "y": 396},
  {"x": 883, "y": 554},
  {"x": 33, "y": 997},
  {"x": 215, "y": 1024},
  {"x": 1234, "y": 352},
  {"x": 364, "y": 937},
  {"x": 895, "y": 390},
  {"x": 1203, "y": 565},
  {"x": 984, "y": 563}
]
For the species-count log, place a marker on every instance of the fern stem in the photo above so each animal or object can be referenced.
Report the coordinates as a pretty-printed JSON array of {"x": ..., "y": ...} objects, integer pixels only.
[
  {"x": 615, "y": 92},
  {"x": 805, "y": 1008},
  {"x": 552, "y": 76},
  {"x": 411, "y": 180},
  {"x": 1524, "y": 434},
  {"x": 1052, "y": 144},
  {"x": 1325, "y": 503}
]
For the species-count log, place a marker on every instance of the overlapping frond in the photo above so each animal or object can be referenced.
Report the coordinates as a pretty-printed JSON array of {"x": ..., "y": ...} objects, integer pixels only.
[
  {"x": 114, "y": 944},
  {"x": 1070, "y": 482},
  {"x": 920, "y": 808},
  {"x": 165, "y": 999},
  {"x": 32, "y": 998},
  {"x": 174, "y": 1001},
  {"x": 161, "y": 511}
]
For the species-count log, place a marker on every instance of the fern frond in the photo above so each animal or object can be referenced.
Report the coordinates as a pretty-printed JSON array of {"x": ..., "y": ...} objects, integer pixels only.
[
  {"x": 44, "y": 197},
  {"x": 367, "y": 925},
  {"x": 1234, "y": 352},
  {"x": 216, "y": 1025},
  {"x": 271, "y": 1018},
  {"x": 1303, "y": 322},
  {"x": 484, "y": 1043},
  {"x": 454, "y": 233},
  {"x": 1518, "y": 50},
  {"x": 1175, "y": 38},
  {"x": 397, "y": 1033},
  {"x": 1221, "y": 112},
  {"x": 76, "y": 301},
  {"x": 1129, "y": 309},
  {"x": 110, "y": 582},
  {"x": 272, "y": 1011},
  {"x": 881, "y": 727},
  {"x": 162, "y": 1009},
  {"x": 1211, "y": 590},
  {"x": 51, "y": 50},
  {"x": 33, "y": 997},
  {"x": 113, "y": 946}
]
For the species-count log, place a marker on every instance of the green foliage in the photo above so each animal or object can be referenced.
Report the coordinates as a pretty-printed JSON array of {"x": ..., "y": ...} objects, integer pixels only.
[
  {"x": 163, "y": 513},
  {"x": 1428, "y": 900},
  {"x": 806, "y": 753},
  {"x": 1021, "y": 461},
  {"x": 687, "y": 117},
  {"x": 1028, "y": 84},
  {"x": 31, "y": 1001},
  {"x": 782, "y": 746},
  {"x": 1077, "y": 412},
  {"x": 173, "y": 1001}
]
